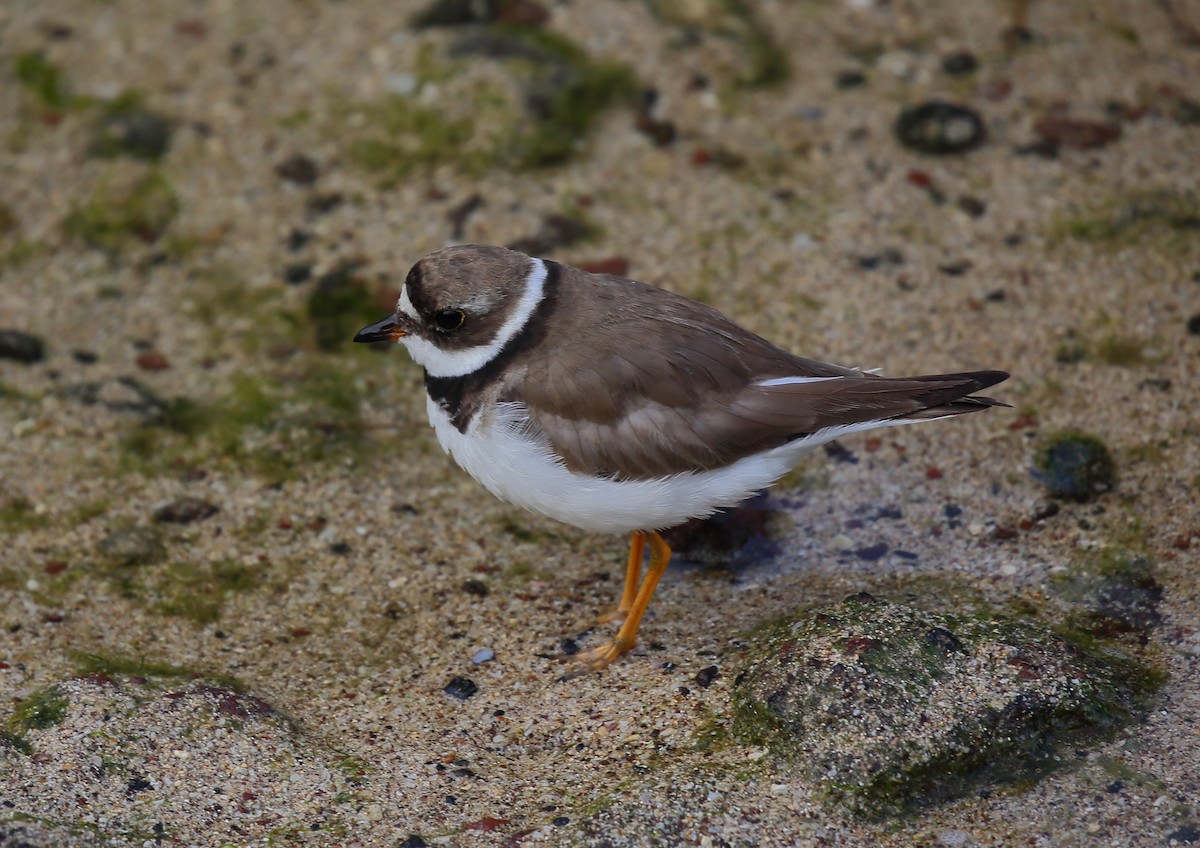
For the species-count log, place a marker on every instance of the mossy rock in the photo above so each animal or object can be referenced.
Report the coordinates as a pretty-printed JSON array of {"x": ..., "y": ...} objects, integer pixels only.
[
  {"x": 1074, "y": 466},
  {"x": 888, "y": 708},
  {"x": 114, "y": 217}
]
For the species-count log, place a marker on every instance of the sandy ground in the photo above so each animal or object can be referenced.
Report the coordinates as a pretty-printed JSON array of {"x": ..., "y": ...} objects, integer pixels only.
[{"x": 333, "y": 581}]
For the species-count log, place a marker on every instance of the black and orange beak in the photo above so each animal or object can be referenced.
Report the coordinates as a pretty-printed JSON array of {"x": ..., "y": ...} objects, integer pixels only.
[{"x": 386, "y": 330}]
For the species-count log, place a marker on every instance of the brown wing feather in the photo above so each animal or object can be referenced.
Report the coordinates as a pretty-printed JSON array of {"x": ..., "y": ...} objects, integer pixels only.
[{"x": 684, "y": 394}]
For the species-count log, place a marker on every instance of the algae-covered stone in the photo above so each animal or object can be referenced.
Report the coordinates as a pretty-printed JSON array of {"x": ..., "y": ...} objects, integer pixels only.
[
  {"x": 150, "y": 745},
  {"x": 133, "y": 546},
  {"x": 888, "y": 708},
  {"x": 1074, "y": 466},
  {"x": 1115, "y": 593}
]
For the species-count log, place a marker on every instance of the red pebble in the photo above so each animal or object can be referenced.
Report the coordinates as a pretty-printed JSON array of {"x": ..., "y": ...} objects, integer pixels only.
[
  {"x": 873, "y": 444},
  {"x": 920, "y": 179},
  {"x": 152, "y": 361},
  {"x": 487, "y": 824},
  {"x": 932, "y": 473},
  {"x": 55, "y": 566}
]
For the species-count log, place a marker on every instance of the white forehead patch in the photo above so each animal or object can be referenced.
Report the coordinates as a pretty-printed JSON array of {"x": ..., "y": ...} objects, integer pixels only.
[
  {"x": 458, "y": 363},
  {"x": 405, "y": 305}
]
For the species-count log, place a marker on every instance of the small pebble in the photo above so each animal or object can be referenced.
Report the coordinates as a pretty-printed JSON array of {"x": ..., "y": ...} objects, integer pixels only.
[
  {"x": 850, "y": 79},
  {"x": 939, "y": 129},
  {"x": 483, "y": 655},
  {"x": 185, "y": 511},
  {"x": 959, "y": 62},
  {"x": 137, "y": 133},
  {"x": 299, "y": 169},
  {"x": 23, "y": 347},
  {"x": 705, "y": 676},
  {"x": 461, "y": 688}
]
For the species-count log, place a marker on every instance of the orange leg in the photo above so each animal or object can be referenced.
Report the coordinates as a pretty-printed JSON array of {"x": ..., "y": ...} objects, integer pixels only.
[
  {"x": 633, "y": 573},
  {"x": 598, "y": 658}
]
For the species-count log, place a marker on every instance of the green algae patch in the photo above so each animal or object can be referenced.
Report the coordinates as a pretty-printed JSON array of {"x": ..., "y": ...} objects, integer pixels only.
[
  {"x": 41, "y": 710},
  {"x": 199, "y": 592},
  {"x": 1112, "y": 594},
  {"x": 341, "y": 304},
  {"x": 126, "y": 126},
  {"x": 115, "y": 217},
  {"x": 1132, "y": 218},
  {"x": 762, "y": 62},
  {"x": 566, "y": 91},
  {"x": 1074, "y": 466},
  {"x": 535, "y": 112},
  {"x": 273, "y": 427},
  {"x": 888, "y": 709},
  {"x": 20, "y": 513},
  {"x": 44, "y": 80},
  {"x": 408, "y": 136}
]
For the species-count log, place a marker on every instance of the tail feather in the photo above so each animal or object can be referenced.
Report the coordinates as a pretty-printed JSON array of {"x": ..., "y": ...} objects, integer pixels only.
[{"x": 952, "y": 394}]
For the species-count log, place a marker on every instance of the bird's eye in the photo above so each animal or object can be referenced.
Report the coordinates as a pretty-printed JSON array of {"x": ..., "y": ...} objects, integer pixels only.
[{"x": 450, "y": 319}]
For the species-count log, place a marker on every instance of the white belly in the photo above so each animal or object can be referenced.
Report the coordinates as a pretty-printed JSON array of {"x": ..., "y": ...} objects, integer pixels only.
[{"x": 498, "y": 452}]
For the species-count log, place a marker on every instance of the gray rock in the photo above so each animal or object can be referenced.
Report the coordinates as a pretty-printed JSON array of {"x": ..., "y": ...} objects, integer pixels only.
[
  {"x": 888, "y": 708},
  {"x": 133, "y": 546},
  {"x": 139, "y": 133},
  {"x": 185, "y": 511},
  {"x": 23, "y": 347}
]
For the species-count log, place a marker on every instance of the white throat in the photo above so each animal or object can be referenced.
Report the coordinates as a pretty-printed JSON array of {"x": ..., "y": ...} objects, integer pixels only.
[{"x": 458, "y": 363}]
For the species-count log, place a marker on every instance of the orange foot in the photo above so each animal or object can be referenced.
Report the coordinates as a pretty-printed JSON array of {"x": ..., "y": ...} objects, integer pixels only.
[{"x": 638, "y": 598}]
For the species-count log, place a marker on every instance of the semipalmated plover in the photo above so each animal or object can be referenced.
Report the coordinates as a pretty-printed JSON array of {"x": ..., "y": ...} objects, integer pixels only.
[{"x": 618, "y": 407}]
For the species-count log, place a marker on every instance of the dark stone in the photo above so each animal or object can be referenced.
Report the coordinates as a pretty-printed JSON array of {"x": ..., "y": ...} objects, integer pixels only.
[
  {"x": 1074, "y": 466},
  {"x": 561, "y": 821},
  {"x": 23, "y": 347},
  {"x": 871, "y": 553},
  {"x": 135, "y": 132},
  {"x": 133, "y": 546},
  {"x": 569, "y": 647},
  {"x": 297, "y": 239},
  {"x": 476, "y": 587},
  {"x": 889, "y": 709},
  {"x": 413, "y": 841},
  {"x": 939, "y": 129},
  {"x": 959, "y": 62},
  {"x": 185, "y": 511},
  {"x": 298, "y": 273},
  {"x": 299, "y": 169},
  {"x": 340, "y": 548},
  {"x": 461, "y": 688},
  {"x": 447, "y": 13},
  {"x": 1193, "y": 324},
  {"x": 850, "y": 79},
  {"x": 324, "y": 202},
  {"x": 705, "y": 676},
  {"x": 972, "y": 206},
  {"x": 137, "y": 784},
  {"x": 84, "y": 357},
  {"x": 944, "y": 640},
  {"x": 889, "y": 257},
  {"x": 840, "y": 453},
  {"x": 1187, "y": 834}
]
